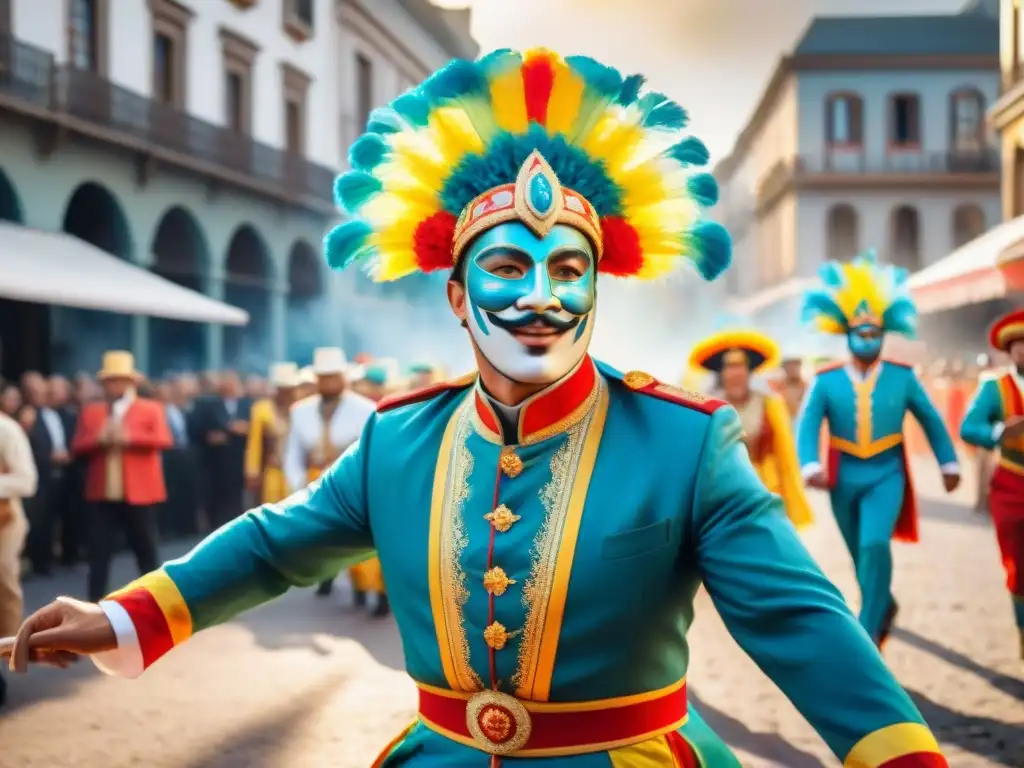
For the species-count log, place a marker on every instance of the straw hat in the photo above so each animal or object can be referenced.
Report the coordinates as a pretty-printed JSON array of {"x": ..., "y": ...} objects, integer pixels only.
[
  {"x": 329, "y": 361},
  {"x": 118, "y": 364},
  {"x": 284, "y": 375}
]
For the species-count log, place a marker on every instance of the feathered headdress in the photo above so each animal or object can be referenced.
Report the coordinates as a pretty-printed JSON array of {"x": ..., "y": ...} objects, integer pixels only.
[
  {"x": 535, "y": 138},
  {"x": 861, "y": 292}
]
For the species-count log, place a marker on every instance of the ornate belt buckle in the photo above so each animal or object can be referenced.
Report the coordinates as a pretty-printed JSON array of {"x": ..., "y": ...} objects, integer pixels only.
[{"x": 498, "y": 723}]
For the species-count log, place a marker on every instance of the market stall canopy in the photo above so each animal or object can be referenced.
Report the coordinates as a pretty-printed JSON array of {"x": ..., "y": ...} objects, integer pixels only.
[
  {"x": 56, "y": 268},
  {"x": 969, "y": 275}
]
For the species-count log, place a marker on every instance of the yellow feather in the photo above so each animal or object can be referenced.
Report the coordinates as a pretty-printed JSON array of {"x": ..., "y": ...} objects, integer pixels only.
[
  {"x": 566, "y": 97},
  {"x": 643, "y": 185},
  {"x": 673, "y": 216},
  {"x": 508, "y": 100},
  {"x": 389, "y": 210},
  {"x": 452, "y": 134},
  {"x": 613, "y": 143},
  {"x": 393, "y": 265},
  {"x": 412, "y": 157}
]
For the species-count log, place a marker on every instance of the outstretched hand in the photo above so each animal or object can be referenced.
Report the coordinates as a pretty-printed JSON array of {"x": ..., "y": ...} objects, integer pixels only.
[{"x": 59, "y": 633}]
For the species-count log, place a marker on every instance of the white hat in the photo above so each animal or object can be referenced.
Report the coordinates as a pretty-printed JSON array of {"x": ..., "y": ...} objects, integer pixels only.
[
  {"x": 330, "y": 360},
  {"x": 306, "y": 375},
  {"x": 284, "y": 375}
]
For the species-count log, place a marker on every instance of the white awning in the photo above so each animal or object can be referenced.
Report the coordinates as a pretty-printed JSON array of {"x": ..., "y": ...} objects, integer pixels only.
[
  {"x": 970, "y": 274},
  {"x": 56, "y": 268},
  {"x": 756, "y": 302}
]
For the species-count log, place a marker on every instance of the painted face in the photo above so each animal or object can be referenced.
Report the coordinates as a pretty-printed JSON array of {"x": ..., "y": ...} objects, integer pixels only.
[
  {"x": 531, "y": 300},
  {"x": 865, "y": 342}
]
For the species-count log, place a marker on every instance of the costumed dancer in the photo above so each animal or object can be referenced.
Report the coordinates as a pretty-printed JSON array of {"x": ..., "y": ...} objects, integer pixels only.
[
  {"x": 792, "y": 386},
  {"x": 268, "y": 427},
  {"x": 543, "y": 601},
  {"x": 995, "y": 419},
  {"x": 865, "y": 402},
  {"x": 733, "y": 358}
]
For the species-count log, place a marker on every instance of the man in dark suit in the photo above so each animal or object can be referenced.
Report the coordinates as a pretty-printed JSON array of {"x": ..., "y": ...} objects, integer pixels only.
[{"x": 220, "y": 426}]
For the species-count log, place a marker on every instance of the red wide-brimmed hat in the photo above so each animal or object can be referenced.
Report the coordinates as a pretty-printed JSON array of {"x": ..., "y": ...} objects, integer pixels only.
[{"x": 1007, "y": 329}]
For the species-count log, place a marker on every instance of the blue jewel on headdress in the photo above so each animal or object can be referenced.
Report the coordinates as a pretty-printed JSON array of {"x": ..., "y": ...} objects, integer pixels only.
[{"x": 542, "y": 197}]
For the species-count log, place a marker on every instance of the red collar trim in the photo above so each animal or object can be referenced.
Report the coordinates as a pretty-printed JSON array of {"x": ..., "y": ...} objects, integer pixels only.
[{"x": 549, "y": 412}]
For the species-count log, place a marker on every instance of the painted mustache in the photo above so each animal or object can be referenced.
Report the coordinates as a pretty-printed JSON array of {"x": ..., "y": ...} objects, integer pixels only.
[{"x": 555, "y": 323}]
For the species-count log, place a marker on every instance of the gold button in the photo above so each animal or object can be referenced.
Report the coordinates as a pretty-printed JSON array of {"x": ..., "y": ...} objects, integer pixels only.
[
  {"x": 510, "y": 464},
  {"x": 496, "y": 581},
  {"x": 502, "y": 518},
  {"x": 496, "y": 636},
  {"x": 637, "y": 379}
]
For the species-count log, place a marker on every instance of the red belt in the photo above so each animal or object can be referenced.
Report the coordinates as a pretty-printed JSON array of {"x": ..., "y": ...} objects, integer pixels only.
[{"x": 500, "y": 724}]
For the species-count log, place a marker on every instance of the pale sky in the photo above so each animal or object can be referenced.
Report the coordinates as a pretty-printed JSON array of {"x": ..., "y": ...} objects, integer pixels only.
[{"x": 713, "y": 56}]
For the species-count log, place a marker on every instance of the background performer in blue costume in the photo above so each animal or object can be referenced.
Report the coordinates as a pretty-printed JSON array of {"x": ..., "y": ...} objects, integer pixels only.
[
  {"x": 865, "y": 401},
  {"x": 544, "y": 525}
]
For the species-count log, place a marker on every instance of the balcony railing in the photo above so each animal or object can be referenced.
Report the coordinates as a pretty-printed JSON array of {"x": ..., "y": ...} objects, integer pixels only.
[
  {"x": 897, "y": 167},
  {"x": 30, "y": 79}
]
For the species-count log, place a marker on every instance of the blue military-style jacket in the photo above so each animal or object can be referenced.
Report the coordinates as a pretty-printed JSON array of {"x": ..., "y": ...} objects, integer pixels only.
[{"x": 558, "y": 564}]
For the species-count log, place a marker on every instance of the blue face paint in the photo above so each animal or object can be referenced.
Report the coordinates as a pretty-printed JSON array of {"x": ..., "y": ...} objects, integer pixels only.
[
  {"x": 865, "y": 342},
  {"x": 515, "y": 279}
]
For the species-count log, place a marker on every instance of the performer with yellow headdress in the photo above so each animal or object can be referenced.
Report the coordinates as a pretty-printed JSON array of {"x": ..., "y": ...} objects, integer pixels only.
[
  {"x": 543, "y": 524},
  {"x": 865, "y": 401},
  {"x": 995, "y": 420},
  {"x": 264, "y": 450},
  {"x": 734, "y": 357}
]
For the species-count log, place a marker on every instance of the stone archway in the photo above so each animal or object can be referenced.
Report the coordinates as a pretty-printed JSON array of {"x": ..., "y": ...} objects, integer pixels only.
[
  {"x": 10, "y": 203},
  {"x": 182, "y": 256},
  {"x": 80, "y": 336},
  {"x": 248, "y": 280},
  {"x": 307, "y": 303}
]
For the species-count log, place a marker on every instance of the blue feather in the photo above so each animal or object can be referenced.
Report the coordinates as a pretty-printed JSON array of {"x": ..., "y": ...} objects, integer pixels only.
[
  {"x": 353, "y": 189},
  {"x": 712, "y": 248},
  {"x": 689, "y": 151},
  {"x": 901, "y": 317},
  {"x": 819, "y": 304},
  {"x": 384, "y": 120},
  {"x": 831, "y": 274},
  {"x": 668, "y": 115},
  {"x": 599, "y": 78},
  {"x": 458, "y": 79},
  {"x": 413, "y": 107},
  {"x": 347, "y": 243},
  {"x": 368, "y": 151},
  {"x": 498, "y": 62},
  {"x": 630, "y": 90},
  {"x": 703, "y": 188}
]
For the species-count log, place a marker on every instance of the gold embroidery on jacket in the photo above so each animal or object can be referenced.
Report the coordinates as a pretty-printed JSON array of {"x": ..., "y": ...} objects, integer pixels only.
[
  {"x": 454, "y": 592},
  {"x": 555, "y": 497}
]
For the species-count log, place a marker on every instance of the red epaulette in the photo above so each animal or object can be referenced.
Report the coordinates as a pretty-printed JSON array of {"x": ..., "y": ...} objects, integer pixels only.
[
  {"x": 424, "y": 393},
  {"x": 835, "y": 365},
  {"x": 900, "y": 363},
  {"x": 645, "y": 384}
]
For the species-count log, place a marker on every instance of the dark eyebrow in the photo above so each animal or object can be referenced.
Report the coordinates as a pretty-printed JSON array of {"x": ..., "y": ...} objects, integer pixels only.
[
  {"x": 503, "y": 249},
  {"x": 568, "y": 251}
]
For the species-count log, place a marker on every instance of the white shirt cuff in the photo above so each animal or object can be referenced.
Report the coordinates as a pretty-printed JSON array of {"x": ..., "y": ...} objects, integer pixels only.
[
  {"x": 997, "y": 431},
  {"x": 125, "y": 660},
  {"x": 951, "y": 468},
  {"x": 810, "y": 469}
]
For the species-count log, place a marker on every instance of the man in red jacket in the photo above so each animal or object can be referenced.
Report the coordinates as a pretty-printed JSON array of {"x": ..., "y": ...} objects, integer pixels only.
[{"x": 120, "y": 439}]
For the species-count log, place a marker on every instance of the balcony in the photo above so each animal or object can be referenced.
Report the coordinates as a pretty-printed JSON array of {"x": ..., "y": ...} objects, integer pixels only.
[
  {"x": 63, "y": 99},
  {"x": 846, "y": 169}
]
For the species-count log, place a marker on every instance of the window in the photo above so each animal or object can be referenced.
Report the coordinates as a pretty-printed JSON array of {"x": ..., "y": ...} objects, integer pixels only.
[
  {"x": 968, "y": 223},
  {"x": 234, "y": 107},
  {"x": 239, "y": 55},
  {"x": 364, "y": 89},
  {"x": 296, "y": 88},
  {"x": 298, "y": 19},
  {"x": 841, "y": 234},
  {"x": 906, "y": 238},
  {"x": 904, "y": 121},
  {"x": 844, "y": 119},
  {"x": 83, "y": 33},
  {"x": 967, "y": 121},
  {"x": 163, "y": 69},
  {"x": 170, "y": 34}
]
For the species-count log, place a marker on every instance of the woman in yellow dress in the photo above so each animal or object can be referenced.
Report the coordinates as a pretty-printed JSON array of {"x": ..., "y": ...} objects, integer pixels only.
[
  {"x": 268, "y": 428},
  {"x": 734, "y": 357}
]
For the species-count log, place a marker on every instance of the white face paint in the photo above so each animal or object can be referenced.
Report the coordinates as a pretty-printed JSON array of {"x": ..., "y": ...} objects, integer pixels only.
[{"x": 531, "y": 300}]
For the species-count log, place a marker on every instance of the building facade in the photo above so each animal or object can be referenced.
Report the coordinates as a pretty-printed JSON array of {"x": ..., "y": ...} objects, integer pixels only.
[
  {"x": 197, "y": 139},
  {"x": 871, "y": 134}
]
